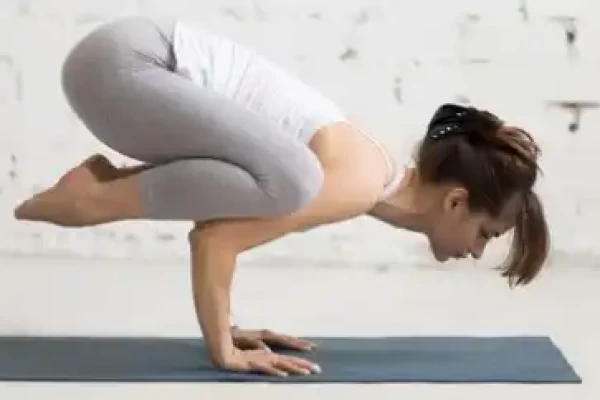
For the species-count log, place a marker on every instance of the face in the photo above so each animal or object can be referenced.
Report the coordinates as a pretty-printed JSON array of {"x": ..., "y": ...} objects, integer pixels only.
[{"x": 460, "y": 233}]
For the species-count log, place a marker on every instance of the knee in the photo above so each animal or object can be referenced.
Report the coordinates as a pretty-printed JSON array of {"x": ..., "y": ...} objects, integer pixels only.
[
  {"x": 94, "y": 61},
  {"x": 295, "y": 188},
  {"x": 83, "y": 70}
]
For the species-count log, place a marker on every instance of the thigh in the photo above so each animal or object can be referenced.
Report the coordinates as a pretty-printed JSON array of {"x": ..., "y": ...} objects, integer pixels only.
[{"x": 119, "y": 81}]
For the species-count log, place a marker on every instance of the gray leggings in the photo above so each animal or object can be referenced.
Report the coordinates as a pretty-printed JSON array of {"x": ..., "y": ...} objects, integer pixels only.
[{"x": 211, "y": 158}]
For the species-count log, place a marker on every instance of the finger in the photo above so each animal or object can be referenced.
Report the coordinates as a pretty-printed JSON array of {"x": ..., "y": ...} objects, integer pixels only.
[
  {"x": 302, "y": 363},
  {"x": 267, "y": 367},
  {"x": 245, "y": 343},
  {"x": 308, "y": 345},
  {"x": 297, "y": 343},
  {"x": 259, "y": 345},
  {"x": 293, "y": 368},
  {"x": 263, "y": 346},
  {"x": 287, "y": 341}
]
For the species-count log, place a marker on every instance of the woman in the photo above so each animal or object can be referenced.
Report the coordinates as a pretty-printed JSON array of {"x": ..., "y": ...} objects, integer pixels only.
[{"x": 248, "y": 153}]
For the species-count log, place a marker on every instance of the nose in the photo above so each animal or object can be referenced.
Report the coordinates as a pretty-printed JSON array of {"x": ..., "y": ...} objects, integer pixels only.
[{"x": 477, "y": 252}]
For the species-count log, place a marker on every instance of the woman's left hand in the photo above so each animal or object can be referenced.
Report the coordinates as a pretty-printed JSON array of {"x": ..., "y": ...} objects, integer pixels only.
[{"x": 248, "y": 339}]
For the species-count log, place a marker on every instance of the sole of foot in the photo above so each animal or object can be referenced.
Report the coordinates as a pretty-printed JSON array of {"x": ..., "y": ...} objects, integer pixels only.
[{"x": 70, "y": 202}]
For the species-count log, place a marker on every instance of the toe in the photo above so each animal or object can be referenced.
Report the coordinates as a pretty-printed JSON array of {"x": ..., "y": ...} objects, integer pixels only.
[{"x": 24, "y": 210}]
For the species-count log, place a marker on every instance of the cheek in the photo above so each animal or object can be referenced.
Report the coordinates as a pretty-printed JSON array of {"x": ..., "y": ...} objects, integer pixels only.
[
  {"x": 450, "y": 235},
  {"x": 459, "y": 235}
]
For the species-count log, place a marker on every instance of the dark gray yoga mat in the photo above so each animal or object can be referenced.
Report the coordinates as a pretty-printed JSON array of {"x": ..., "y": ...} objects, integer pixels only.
[{"x": 351, "y": 359}]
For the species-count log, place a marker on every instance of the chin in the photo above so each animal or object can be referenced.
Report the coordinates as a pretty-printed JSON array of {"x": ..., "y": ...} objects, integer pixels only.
[
  {"x": 442, "y": 258},
  {"x": 438, "y": 252},
  {"x": 439, "y": 256}
]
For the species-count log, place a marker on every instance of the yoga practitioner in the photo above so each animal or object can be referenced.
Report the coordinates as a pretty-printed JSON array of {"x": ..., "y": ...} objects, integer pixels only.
[{"x": 248, "y": 153}]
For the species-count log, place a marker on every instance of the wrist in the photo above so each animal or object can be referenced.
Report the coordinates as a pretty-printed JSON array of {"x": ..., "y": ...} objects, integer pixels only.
[{"x": 222, "y": 355}]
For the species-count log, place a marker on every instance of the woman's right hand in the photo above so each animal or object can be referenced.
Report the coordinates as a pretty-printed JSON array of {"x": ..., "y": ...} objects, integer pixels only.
[{"x": 268, "y": 362}]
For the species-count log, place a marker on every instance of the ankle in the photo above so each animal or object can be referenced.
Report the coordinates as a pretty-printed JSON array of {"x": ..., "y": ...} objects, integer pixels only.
[
  {"x": 116, "y": 200},
  {"x": 128, "y": 171}
]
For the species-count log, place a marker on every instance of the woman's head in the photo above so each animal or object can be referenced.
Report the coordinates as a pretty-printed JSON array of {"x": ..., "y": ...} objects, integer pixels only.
[{"x": 485, "y": 171}]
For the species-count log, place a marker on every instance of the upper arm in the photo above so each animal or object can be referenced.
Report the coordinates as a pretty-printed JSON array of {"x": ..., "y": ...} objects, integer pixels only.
[{"x": 346, "y": 192}]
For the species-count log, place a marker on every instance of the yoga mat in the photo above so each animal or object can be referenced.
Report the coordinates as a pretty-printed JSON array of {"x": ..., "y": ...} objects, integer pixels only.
[{"x": 348, "y": 359}]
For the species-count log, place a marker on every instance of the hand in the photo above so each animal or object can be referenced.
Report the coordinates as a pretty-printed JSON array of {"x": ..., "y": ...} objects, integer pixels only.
[
  {"x": 268, "y": 362},
  {"x": 246, "y": 339}
]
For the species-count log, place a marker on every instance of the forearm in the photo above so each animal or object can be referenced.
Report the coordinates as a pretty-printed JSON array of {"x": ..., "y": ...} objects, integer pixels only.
[
  {"x": 216, "y": 245},
  {"x": 212, "y": 271}
]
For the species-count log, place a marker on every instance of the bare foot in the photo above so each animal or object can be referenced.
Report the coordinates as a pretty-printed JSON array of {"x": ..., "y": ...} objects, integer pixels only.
[
  {"x": 105, "y": 171},
  {"x": 102, "y": 169},
  {"x": 72, "y": 200}
]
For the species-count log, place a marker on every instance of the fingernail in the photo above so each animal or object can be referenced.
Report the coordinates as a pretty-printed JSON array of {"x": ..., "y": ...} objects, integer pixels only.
[{"x": 316, "y": 368}]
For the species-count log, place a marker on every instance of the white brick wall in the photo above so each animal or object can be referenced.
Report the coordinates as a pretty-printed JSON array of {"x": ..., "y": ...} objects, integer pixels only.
[{"x": 510, "y": 56}]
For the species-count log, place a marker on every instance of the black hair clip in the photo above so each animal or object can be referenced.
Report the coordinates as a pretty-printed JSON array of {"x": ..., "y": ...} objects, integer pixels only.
[
  {"x": 441, "y": 131},
  {"x": 447, "y": 119}
]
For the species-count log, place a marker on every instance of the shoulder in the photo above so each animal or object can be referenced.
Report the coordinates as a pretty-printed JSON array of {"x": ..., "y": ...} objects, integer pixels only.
[
  {"x": 347, "y": 147},
  {"x": 353, "y": 164}
]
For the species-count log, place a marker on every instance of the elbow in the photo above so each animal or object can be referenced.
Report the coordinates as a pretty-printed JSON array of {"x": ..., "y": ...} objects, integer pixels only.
[
  {"x": 293, "y": 189},
  {"x": 212, "y": 235}
]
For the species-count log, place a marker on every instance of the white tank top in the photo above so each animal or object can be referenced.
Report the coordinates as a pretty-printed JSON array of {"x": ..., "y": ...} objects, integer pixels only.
[{"x": 241, "y": 74}]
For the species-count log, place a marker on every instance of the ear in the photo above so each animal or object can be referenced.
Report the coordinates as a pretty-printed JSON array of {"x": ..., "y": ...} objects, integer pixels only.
[{"x": 456, "y": 199}]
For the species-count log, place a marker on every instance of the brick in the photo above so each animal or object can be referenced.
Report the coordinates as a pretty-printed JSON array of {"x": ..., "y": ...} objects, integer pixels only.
[
  {"x": 541, "y": 9},
  {"x": 511, "y": 41},
  {"x": 585, "y": 47},
  {"x": 9, "y": 80},
  {"x": 505, "y": 9},
  {"x": 40, "y": 69},
  {"x": 8, "y": 25},
  {"x": 356, "y": 10},
  {"x": 10, "y": 8},
  {"x": 81, "y": 10},
  {"x": 235, "y": 10}
]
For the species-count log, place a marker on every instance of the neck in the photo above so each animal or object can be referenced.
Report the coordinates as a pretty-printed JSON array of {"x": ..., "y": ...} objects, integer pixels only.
[{"x": 409, "y": 207}]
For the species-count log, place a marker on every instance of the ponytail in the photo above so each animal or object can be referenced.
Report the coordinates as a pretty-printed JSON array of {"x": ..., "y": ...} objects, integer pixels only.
[{"x": 530, "y": 243}]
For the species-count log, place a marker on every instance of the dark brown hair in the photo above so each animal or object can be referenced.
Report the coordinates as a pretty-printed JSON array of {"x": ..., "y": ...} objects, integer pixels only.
[{"x": 494, "y": 162}]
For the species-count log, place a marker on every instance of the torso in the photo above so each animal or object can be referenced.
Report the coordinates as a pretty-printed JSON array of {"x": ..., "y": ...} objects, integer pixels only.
[{"x": 241, "y": 74}]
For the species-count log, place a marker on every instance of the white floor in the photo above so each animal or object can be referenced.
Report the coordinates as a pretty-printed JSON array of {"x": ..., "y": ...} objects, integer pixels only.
[{"x": 104, "y": 297}]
